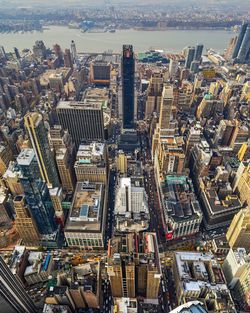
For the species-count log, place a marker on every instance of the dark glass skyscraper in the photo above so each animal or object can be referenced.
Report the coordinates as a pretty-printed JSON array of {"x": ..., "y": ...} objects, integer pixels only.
[
  {"x": 198, "y": 52},
  {"x": 13, "y": 298},
  {"x": 190, "y": 56},
  {"x": 36, "y": 192},
  {"x": 128, "y": 86},
  {"x": 239, "y": 40},
  {"x": 245, "y": 47}
]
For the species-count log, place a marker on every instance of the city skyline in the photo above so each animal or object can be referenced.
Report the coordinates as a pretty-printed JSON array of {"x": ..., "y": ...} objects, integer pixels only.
[{"x": 124, "y": 172}]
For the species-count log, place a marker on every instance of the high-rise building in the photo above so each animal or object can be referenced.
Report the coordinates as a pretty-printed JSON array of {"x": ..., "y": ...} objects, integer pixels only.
[
  {"x": 64, "y": 149},
  {"x": 166, "y": 112},
  {"x": 39, "y": 49},
  {"x": 92, "y": 163},
  {"x": 67, "y": 58},
  {"x": 121, "y": 162},
  {"x": 154, "y": 91},
  {"x": 194, "y": 68},
  {"x": 173, "y": 68},
  {"x": 198, "y": 52},
  {"x": 12, "y": 179},
  {"x": 2, "y": 53},
  {"x": 13, "y": 297},
  {"x": 190, "y": 56},
  {"x": 83, "y": 120},
  {"x": 128, "y": 86},
  {"x": 239, "y": 40},
  {"x": 236, "y": 268},
  {"x": 25, "y": 224},
  {"x": 5, "y": 157},
  {"x": 17, "y": 54},
  {"x": 40, "y": 143},
  {"x": 36, "y": 192},
  {"x": 238, "y": 233},
  {"x": 244, "y": 51},
  {"x": 134, "y": 268},
  {"x": 73, "y": 50},
  {"x": 100, "y": 72}
]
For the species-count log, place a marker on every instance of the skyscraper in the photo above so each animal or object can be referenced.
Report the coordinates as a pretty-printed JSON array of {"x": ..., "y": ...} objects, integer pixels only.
[
  {"x": 198, "y": 52},
  {"x": 238, "y": 233},
  {"x": 239, "y": 40},
  {"x": 36, "y": 192},
  {"x": 13, "y": 298},
  {"x": 190, "y": 56},
  {"x": 245, "y": 47},
  {"x": 40, "y": 143},
  {"x": 67, "y": 58},
  {"x": 166, "y": 107},
  {"x": 83, "y": 120},
  {"x": 73, "y": 50},
  {"x": 128, "y": 88},
  {"x": 25, "y": 224}
]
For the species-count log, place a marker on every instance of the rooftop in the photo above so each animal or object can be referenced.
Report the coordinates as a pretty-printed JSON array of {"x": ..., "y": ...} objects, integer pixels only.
[
  {"x": 179, "y": 198},
  {"x": 25, "y": 157},
  {"x": 190, "y": 307},
  {"x": 79, "y": 105},
  {"x": 87, "y": 208}
]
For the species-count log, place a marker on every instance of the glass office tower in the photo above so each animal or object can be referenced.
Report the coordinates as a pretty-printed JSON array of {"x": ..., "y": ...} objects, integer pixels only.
[
  {"x": 36, "y": 192},
  {"x": 128, "y": 86}
]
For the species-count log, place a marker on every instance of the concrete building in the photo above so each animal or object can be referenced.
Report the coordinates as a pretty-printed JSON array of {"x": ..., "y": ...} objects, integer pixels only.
[
  {"x": 100, "y": 72},
  {"x": 125, "y": 305},
  {"x": 242, "y": 183},
  {"x": 199, "y": 277},
  {"x": 39, "y": 267},
  {"x": 121, "y": 162},
  {"x": 134, "y": 269},
  {"x": 92, "y": 163},
  {"x": 238, "y": 233},
  {"x": 154, "y": 93},
  {"x": 85, "y": 226},
  {"x": 84, "y": 120},
  {"x": 131, "y": 205},
  {"x": 25, "y": 224},
  {"x": 78, "y": 287},
  {"x": 182, "y": 215},
  {"x": 219, "y": 202},
  {"x": 5, "y": 157},
  {"x": 64, "y": 149},
  {"x": 11, "y": 179},
  {"x": 236, "y": 268}
]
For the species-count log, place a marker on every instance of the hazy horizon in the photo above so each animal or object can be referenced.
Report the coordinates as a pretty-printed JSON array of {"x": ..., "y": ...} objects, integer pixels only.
[{"x": 215, "y": 3}]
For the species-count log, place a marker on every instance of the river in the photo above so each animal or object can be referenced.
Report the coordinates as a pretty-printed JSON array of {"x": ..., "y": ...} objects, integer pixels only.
[{"x": 168, "y": 40}]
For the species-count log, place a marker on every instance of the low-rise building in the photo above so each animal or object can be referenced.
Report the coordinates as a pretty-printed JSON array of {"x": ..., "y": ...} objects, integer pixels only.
[
  {"x": 92, "y": 163},
  {"x": 182, "y": 215},
  {"x": 131, "y": 205},
  {"x": 199, "y": 277},
  {"x": 85, "y": 226},
  {"x": 219, "y": 202},
  {"x": 125, "y": 305},
  {"x": 39, "y": 268}
]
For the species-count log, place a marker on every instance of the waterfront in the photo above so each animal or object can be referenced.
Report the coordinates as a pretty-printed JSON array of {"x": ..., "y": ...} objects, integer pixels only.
[{"x": 168, "y": 40}]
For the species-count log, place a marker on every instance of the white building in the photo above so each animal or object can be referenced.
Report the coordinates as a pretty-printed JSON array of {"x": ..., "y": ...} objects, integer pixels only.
[
  {"x": 131, "y": 205},
  {"x": 131, "y": 197}
]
